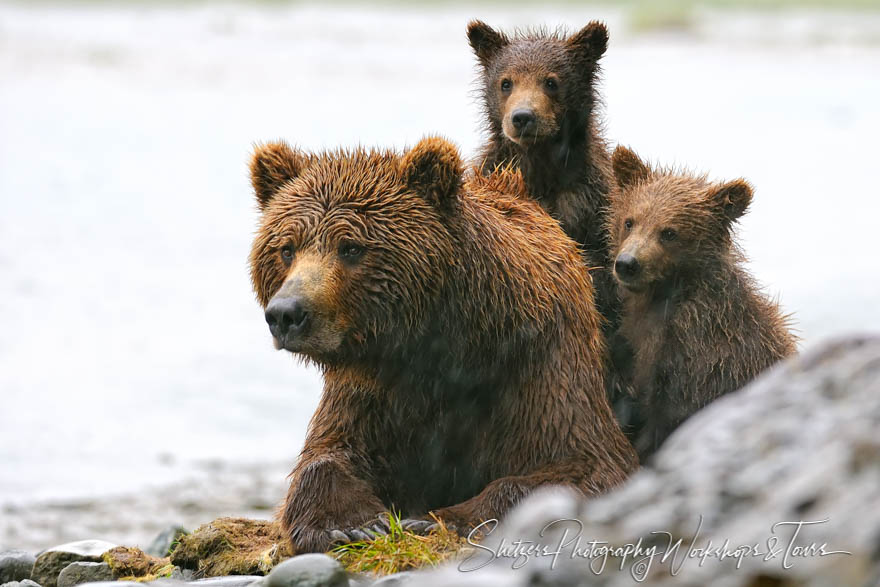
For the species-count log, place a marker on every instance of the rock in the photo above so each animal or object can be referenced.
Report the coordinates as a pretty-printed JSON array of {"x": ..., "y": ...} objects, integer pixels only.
[
  {"x": 782, "y": 476},
  {"x": 51, "y": 562},
  {"x": 164, "y": 544},
  {"x": 81, "y": 572},
  {"x": 359, "y": 580},
  {"x": 396, "y": 580},
  {"x": 16, "y": 565},
  {"x": 449, "y": 576},
  {"x": 22, "y": 583},
  {"x": 179, "y": 574},
  {"x": 308, "y": 570},
  {"x": 230, "y": 581},
  {"x": 233, "y": 546}
]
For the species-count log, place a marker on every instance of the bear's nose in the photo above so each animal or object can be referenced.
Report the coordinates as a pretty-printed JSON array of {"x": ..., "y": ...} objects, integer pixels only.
[
  {"x": 286, "y": 317},
  {"x": 626, "y": 266},
  {"x": 522, "y": 118}
]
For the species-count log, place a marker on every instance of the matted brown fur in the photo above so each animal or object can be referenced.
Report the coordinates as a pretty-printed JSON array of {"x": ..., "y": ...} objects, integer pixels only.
[
  {"x": 698, "y": 323},
  {"x": 461, "y": 351},
  {"x": 563, "y": 157}
]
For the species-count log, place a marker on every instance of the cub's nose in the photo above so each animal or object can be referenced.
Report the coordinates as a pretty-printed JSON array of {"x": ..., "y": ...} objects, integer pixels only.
[
  {"x": 626, "y": 266},
  {"x": 522, "y": 118},
  {"x": 287, "y": 317}
]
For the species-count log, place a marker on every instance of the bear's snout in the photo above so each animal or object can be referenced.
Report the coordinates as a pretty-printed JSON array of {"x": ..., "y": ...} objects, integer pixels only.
[
  {"x": 287, "y": 317},
  {"x": 522, "y": 119},
  {"x": 627, "y": 266}
]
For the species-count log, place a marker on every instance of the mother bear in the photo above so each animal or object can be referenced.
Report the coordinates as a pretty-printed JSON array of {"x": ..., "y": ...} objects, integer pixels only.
[{"x": 454, "y": 325}]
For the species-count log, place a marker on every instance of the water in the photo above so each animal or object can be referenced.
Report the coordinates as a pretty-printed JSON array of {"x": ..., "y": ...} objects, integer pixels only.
[{"x": 138, "y": 379}]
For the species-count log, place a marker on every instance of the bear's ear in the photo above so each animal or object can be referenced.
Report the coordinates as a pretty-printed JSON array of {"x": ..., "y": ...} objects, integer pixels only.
[
  {"x": 433, "y": 169},
  {"x": 485, "y": 41},
  {"x": 628, "y": 168},
  {"x": 590, "y": 42},
  {"x": 732, "y": 198},
  {"x": 273, "y": 165}
]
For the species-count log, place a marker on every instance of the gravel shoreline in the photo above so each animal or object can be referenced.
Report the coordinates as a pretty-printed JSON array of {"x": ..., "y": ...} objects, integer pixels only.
[{"x": 252, "y": 491}]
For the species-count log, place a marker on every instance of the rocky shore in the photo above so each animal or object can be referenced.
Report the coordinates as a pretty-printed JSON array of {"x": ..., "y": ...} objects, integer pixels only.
[{"x": 777, "y": 484}]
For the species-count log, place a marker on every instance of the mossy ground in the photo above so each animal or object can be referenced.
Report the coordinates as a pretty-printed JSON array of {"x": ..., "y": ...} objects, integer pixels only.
[
  {"x": 238, "y": 546},
  {"x": 232, "y": 546},
  {"x": 132, "y": 564}
]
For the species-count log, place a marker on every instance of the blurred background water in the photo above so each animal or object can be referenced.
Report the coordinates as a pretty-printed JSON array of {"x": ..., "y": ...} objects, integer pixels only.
[{"x": 138, "y": 384}]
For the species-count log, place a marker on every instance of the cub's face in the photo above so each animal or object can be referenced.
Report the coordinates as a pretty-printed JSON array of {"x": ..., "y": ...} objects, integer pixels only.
[
  {"x": 664, "y": 225},
  {"x": 532, "y": 82},
  {"x": 350, "y": 244}
]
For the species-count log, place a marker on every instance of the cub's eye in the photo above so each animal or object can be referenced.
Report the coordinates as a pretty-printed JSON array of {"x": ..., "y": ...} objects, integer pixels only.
[
  {"x": 628, "y": 224},
  {"x": 287, "y": 253},
  {"x": 551, "y": 84},
  {"x": 351, "y": 251},
  {"x": 506, "y": 85},
  {"x": 668, "y": 235}
]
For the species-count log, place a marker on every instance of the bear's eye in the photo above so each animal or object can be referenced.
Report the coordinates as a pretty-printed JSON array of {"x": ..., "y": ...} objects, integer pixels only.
[
  {"x": 506, "y": 85},
  {"x": 628, "y": 224},
  {"x": 668, "y": 235},
  {"x": 351, "y": 251},
  {"x": 287, "y": 253},
  {"x": 551, "y": 84}
]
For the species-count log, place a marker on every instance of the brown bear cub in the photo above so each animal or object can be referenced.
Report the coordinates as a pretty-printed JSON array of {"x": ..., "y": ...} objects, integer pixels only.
[
  {"x": 540, "y": 100},
  {"x": 699, "y": 325},
  {"x": 454, "y": 325}
]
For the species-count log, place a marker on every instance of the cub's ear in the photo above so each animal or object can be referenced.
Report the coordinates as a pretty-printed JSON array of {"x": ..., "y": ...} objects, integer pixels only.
[
  {"x": 273, "y": 165},
  {"x": 433, "y": 169},
  {"x": 590, "y": 42},
  {"x": 732, "y": 198},
  {"x": 485, "y": 41},
  {"x": 628, "y": 168}
]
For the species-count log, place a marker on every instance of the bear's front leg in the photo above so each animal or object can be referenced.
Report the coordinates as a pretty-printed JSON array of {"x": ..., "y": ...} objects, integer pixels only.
[{"x": 328, "y": 503}]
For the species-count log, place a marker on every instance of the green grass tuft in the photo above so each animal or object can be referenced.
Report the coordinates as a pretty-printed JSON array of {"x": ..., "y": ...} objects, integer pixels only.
[{"x": 400, "y": 550}]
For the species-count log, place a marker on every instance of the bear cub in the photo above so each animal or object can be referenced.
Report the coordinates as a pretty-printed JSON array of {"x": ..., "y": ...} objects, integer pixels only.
[
  {"x": 540, "y": 101},
  {"x": 698, "y": 323},
  {"x": 454, "y": 325}
]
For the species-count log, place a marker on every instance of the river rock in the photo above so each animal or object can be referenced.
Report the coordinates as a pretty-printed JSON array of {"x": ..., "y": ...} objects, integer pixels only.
[
  {"x": 308, "y": 570},
  {"x": 179, "y": 574},
  {"x": 16, "y": 565},
  {"x": 163, "y": 544},
  {"x": 82, "y": 572},
  {"x": 776, "y": 484},
  {"x": 22, "y": 583},
  {"x": 51, "y": 562},
  {"x": 397, "y": 580},
  {"x": 229, "y": 581}
]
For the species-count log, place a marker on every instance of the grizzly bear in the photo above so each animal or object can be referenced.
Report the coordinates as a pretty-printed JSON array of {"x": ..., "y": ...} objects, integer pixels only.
[
  {"x": 454, "y": 325},
  {"x": 540, "y": 101},
  {"x": 698, "y": 323}
]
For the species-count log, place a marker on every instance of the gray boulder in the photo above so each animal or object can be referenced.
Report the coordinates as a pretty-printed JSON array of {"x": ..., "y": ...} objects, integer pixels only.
[
  {"x": 228, "y": 581},
  {"x": 397, "y": 580},
  {"x": 163, "y": 544},
  {"x": 16, "y": 565},
  {"x": 307, "y": 570},
  {"x": 22, "y": 583},
  {"x": 777, "y": 484},
  {"x": 51, "y": 562},
  {"x": 84, "y": 572}
]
